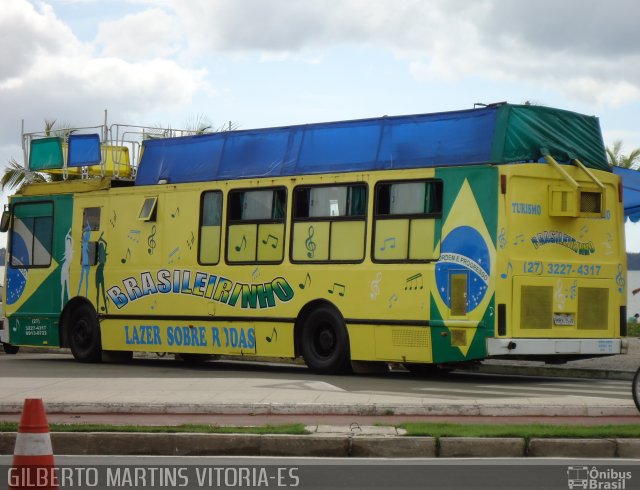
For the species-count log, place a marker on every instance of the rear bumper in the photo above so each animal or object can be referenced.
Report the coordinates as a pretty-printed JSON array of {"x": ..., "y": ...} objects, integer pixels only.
[{"x": 559, "y": 347}]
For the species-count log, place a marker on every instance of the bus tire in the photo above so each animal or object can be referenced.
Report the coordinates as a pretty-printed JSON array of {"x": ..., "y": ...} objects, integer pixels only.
[
  {"x": 10, "y": 349},
  {"x": 83, "y": 334},
  {"x": 325, "y": 342}
]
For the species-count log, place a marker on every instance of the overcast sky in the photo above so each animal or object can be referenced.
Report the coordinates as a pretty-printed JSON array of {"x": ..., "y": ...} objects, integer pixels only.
[{"x": 278, "y": 62}]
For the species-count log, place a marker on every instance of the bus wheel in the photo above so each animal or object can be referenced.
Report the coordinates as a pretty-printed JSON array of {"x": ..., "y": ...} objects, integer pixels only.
[
  {"x": 325, "y": 342},
  {"x": 10, "y": 349},
  {"x": 83, "y": 334}
]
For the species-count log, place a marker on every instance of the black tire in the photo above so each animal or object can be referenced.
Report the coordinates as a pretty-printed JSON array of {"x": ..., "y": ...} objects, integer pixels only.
[
  {"x": 83, "y": 334},
  {"x": 635, "y": 389},
  {"x": 325, "y": 342},
  {"x": 10, "y": 349}
]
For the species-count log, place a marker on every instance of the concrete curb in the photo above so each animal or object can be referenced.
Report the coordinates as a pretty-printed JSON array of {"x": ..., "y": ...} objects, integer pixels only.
[
  {"x": 489, "y": 447},
  {"x": 573, "y": 448},
  {"x": 462, "y": 408},
  {"x": 327, "y": 445}
]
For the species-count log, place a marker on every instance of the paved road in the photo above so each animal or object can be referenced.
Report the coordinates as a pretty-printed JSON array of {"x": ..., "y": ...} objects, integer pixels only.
[{"x": 164, "y": 385}]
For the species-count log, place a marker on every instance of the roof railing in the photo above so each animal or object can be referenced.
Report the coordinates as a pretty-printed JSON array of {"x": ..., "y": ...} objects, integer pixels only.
[{"x": 94, "y": 151}]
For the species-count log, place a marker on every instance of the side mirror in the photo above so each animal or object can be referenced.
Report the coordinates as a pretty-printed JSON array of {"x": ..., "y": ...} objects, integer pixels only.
[{"x": 6, "y": 219}]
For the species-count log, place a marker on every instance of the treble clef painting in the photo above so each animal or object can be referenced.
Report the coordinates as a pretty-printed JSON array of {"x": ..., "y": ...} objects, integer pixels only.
[
  {"x": 620, "y": 279},
  {"x": 151, "y": 241},
  {"x": 309, "y": 243}
]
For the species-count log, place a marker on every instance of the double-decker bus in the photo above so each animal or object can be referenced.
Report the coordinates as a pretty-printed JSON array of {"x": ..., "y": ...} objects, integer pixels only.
[{"x": 426, "y": 240}]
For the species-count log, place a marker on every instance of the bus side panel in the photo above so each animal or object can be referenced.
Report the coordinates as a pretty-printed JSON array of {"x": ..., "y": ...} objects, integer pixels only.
[
  {"x": 243, "y": 337},
  {"x": 462, "y": 295},
  {"x": 34, "y": 299}
]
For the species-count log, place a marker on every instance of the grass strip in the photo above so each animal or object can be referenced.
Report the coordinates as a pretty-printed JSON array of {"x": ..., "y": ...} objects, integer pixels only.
[
  {"x": 431, "y": 429},
  {"x": 526, "y": 431},
  {"x": 294, "y": 429},
  {"x": 633, "y": 329}
]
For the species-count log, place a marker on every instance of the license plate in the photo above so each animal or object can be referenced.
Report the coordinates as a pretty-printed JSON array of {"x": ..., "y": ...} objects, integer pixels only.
[{"x": 564, "y": 319}]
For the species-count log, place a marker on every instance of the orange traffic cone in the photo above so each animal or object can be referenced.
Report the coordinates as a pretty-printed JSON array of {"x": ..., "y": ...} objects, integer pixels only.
[{"x": 33, "y": 465}]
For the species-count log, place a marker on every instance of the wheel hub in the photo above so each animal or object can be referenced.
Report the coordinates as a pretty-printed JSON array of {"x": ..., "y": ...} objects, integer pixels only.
[
  {"x": 326, "y": 341},
  {"x": 82, "y": 332}
]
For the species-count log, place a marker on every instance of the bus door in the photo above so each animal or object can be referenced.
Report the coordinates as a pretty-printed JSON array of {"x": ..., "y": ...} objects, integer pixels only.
[{"x": 36, "y": 270}]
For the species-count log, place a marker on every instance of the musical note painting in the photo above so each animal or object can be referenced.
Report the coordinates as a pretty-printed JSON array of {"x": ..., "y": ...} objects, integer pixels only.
[
  {"x": 414, "y": 282},
  {"x": 151, "y": 240},
  {"x": 242, "y": 245},
  {"x": 271, "y": 240},
  {"x": 388, "y": 243},
  {"x": 306, "y": 283},
  {"x": 309, "y": 243},
  {"x": 273, "y": 337},
  {"x": 341, "y": 289}
]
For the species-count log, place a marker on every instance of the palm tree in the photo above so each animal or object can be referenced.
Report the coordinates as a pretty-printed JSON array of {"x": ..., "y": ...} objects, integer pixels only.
[
  {"x": 618, "y": 159},
  {"x": 201, "y": 124},
  {"x": 194, "y": 125},
  {"x": 15, "y": 175}
]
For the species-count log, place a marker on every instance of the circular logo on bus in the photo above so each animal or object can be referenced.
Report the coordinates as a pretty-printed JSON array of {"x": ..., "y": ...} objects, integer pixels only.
[
  {"x": 464, "y": 252},
  {"x": 17, "y": 277}
]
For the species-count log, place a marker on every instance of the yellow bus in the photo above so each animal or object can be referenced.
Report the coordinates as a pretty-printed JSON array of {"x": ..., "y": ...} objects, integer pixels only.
[{"x": 429, "y": 240}]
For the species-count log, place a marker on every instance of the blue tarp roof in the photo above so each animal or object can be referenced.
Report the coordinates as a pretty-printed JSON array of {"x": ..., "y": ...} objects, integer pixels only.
[
  {"x": 398, "y": 142},
  {"x": 501, "y": 133},
  {"x": 631, "y": 192}
]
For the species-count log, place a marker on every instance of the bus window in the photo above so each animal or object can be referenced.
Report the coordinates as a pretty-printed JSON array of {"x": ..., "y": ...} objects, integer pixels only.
[
  {"x": 32, "y": 235},
  {"x": 210, "y": 227},
  {"x": 148, "y": 210},
  {"x": 91, "y": 216},
  {"x": 255, "y": 226},
  {"x": 329, "y": 223},
  {"x": 405, "y": 220}
]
